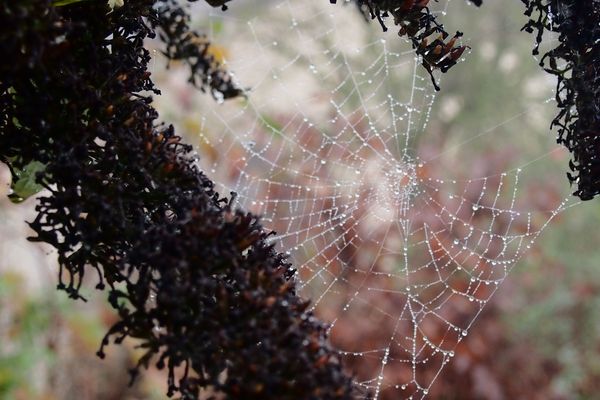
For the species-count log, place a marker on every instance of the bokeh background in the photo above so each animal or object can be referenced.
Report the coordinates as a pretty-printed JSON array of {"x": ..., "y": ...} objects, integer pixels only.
[{"x": 539, "y": 336}]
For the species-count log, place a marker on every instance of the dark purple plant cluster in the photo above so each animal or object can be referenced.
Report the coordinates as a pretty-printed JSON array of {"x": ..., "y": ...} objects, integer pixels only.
[
  {"x": 438, "y": 51},
  {"x": 576, "y": 63},
  {"x": 185, "y": 45},
  {"x": 194, "y": 281}
]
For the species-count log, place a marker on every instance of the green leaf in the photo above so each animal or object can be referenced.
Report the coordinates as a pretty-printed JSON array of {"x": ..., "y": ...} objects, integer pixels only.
[
  {"x": 26, "y": 184},
  {"x": 60, "y": 3}
]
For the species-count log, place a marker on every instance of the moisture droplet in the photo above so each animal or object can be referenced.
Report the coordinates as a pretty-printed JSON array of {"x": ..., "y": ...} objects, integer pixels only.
[
  {"x": 323, "y": 162},
  {"x": 475, "y": 207},
  {"x": 465, "y": 332}
]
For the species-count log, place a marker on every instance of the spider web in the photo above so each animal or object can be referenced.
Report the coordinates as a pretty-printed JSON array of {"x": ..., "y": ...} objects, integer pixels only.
[{"x": 326, "y": 148}]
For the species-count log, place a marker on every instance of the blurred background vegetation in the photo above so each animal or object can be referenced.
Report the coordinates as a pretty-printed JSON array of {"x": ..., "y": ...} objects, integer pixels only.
[{"x": 539, "y": 338}]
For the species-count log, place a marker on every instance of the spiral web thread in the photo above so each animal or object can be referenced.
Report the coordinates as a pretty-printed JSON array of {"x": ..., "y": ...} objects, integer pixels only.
[{"x": 325, "y": 148}]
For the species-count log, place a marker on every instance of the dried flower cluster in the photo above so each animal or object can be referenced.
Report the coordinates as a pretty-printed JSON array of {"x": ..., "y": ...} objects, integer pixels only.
[
  {"x": 428, "y": 37},
  {"x": 576, "y": 63},
  {"x": 193, "y": 281},
  {"x": 187, "y": 46}
]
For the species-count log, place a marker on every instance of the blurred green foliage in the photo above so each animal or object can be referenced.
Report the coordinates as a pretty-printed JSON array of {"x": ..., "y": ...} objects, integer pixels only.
[
  {"x": 556, "y": 311},
  {"x": 21, "y": 350}
]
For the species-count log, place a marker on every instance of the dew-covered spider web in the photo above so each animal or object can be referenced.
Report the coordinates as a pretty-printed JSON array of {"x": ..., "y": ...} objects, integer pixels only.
[{"x": 330, "y": 148}]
